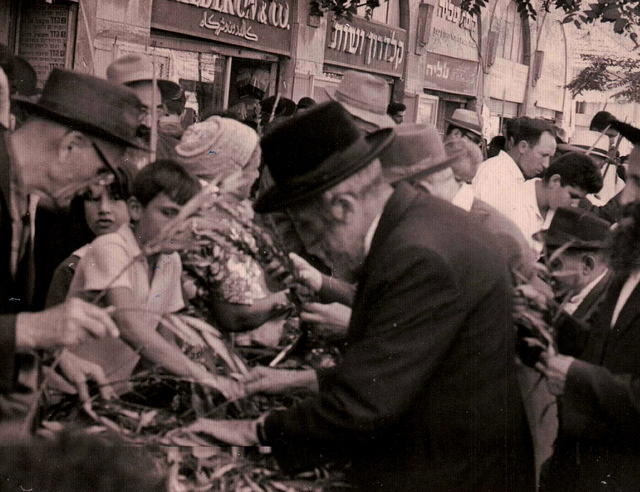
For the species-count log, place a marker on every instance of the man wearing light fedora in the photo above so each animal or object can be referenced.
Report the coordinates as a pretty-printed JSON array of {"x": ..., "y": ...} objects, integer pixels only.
[
  {"x": 135, "y": 71},
  {"x": 425, "y": 397},
  {"x": 75, "y": 136},
  {"x": 365, "y": 97}
]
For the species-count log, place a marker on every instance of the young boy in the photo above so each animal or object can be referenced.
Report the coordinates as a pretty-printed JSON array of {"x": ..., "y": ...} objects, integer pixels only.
[{"x": 149, "y": 287}]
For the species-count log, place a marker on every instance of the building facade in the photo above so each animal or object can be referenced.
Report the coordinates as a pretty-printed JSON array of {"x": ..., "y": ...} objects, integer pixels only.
[{"x": 435, "y": 57}]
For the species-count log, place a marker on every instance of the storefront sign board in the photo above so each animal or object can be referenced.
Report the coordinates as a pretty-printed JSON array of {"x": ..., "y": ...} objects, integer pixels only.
[
  {"x": 263, "y": 25},
  {"x": 507, "y": 80},
  {"x": 365, "y": 45},
  {"x": 44, "y": 38},
  {"x": 448, "y": 74},
  {"x": 453, "y": 32}
]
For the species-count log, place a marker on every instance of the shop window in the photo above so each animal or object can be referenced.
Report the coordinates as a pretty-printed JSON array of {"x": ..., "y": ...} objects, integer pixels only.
[
  {"x": 387, "y": 13},
  {"x": 508, "y": 23}
]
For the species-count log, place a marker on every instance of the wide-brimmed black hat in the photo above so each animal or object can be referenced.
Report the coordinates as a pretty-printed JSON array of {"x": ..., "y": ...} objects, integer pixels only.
[
  {"x": 109, "y": 113},
  {"x": 577, "y": 226},
  {"x": 312, "y": 152}
]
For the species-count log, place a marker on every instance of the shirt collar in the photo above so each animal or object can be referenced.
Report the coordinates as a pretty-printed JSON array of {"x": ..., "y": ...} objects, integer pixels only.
[
  {"x": 368, "y": 239},
  {"x": 464, "y": 197},
  {"x": 576, "y": 300},
  {"x": 512, "y": 166}
]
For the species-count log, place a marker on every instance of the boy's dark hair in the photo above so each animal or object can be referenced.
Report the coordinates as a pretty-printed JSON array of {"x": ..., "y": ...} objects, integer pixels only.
[
  {"x": 575, "y": 169},
  {"x": 395, "y": 107},
  {"x": 528, "y": 129},
  {"x": 168, "y": 177}
]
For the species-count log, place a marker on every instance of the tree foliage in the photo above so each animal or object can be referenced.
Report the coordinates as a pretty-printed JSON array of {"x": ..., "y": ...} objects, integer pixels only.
[{"x": 604, "y": 74}]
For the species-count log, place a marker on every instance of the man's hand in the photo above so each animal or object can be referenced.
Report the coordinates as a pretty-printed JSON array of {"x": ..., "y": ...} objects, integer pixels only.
[
  {"x": 79, "y": 371},
  {"x": 555, "y": 368},
  {"x": 274, "y": 381},
  {"x": 233, "y": 432},
  {"x": 63, "y": 325},
  {"x": 308, "y": 275},
  {"x": 331, "y": 320},
  {"x": 230, "y": 389}
]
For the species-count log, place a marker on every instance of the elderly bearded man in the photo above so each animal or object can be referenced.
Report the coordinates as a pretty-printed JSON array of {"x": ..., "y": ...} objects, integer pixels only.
[{"x": 425, "y": 398}]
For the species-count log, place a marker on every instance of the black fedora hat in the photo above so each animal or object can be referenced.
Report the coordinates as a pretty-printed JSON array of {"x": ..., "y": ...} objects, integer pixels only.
[
  {"x": 577, "y": 226},
  {"x": 313, "y": 151},
  {"x": 92, "y": 105}
]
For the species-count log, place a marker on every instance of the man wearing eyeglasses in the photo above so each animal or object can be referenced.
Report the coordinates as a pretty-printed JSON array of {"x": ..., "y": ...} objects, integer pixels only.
[{"x": 75, "y": 136}]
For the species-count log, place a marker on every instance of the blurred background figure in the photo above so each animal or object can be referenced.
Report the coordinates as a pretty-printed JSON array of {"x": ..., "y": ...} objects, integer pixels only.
[
  {"x": 365, "y": 97},
  {"x": 20, "y": 82},
  {"x": 136, "y": 72},
  {"x": 268, "y": 116},
  {"x": 396, "y": 110},
  {"x": 305, "y": 103}
]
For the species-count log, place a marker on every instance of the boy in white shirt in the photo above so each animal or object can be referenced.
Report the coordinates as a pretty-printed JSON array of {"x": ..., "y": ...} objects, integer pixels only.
[{"x": 148, "y": 287}]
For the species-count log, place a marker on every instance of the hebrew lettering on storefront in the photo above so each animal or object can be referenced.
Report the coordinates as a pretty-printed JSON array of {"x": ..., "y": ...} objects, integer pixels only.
[
  {"x": 260, "y": 24},
  {"x": 365, "y": 45},
  {"x": 449, "y": 74}
]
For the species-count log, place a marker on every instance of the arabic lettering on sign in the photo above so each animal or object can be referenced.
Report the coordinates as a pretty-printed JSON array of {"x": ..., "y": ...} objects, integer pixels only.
[
  {"x": 269, "y": 12},
  {"x": 356, "y": 41},
  {"x": 222, "y": 26}
]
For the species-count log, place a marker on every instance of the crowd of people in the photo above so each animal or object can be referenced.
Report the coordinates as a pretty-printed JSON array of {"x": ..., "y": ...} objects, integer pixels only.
[{"x": 485, "y": 297}]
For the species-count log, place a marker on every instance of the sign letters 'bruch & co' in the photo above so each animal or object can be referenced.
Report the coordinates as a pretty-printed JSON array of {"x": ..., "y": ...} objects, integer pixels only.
[
  {"x": 264, "y": 24},
  {"x": 366, "y": 45}
]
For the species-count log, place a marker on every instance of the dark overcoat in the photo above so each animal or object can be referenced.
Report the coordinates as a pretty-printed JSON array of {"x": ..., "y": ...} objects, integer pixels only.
[
  {"x": 598, "y": 446},
  {"x": 426, "y": 397}
]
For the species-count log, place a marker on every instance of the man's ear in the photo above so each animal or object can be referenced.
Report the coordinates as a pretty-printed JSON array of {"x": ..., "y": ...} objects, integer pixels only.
[
  {"x": 70, "y": 143},
  {"x": 341, "y": 206},
  {"x": 135, "y": 208},
  {"x": 555, "y": 181},
  {"x": 522, "y": 146},
  {"x": 588, "y": 263}
]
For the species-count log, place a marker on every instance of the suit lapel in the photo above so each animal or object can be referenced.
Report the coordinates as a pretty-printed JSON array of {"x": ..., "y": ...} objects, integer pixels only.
[
  {"x": 593, "y": 299},
  {"x": 629, "y": 312},
  {"x": 394, "y": 209}
]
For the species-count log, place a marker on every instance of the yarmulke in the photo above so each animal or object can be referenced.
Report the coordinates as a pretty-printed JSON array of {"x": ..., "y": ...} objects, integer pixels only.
[{"x": 216, "y": 143}]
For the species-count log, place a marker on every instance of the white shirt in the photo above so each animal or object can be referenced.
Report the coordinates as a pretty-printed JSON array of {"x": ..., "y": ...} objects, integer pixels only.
[
  {"x": 464, "y": 197},
  {"x": 611, "y": 186},
  {"x": 627, "y": 289},
  {"x": 497, "y": 181},
  {"x": 368, "y": 239},
  {"x": 571, "y": 306},
  {"x": 523, "y": 210}
]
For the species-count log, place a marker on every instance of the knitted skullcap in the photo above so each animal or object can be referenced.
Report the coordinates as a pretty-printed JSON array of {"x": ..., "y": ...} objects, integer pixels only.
[{"x": 207, "y": 147}]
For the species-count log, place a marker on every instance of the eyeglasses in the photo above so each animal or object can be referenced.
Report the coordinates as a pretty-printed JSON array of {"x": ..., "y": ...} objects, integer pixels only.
[{"x": 474, "y": 137}]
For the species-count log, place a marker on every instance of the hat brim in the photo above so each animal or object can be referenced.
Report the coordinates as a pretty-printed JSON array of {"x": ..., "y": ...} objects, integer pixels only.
[
  {"x": 380, "y": 120},
  {"x": 96, "y": 131},
  {"x": 557, "y": 239},
  {"x": 426, "y": 167},
  {"x": 329, "y": 173},
  {"x": 466, "y": 126}
]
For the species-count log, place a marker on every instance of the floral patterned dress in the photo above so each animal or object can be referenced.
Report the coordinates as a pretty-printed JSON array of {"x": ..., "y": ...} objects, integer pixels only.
[{"x": 223, "y": 268}]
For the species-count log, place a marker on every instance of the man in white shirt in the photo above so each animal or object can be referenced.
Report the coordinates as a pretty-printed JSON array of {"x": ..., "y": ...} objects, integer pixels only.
[
  {"x": 563, "y": 184},
  {"x": 599, "y": 393},
  {"x": 498, "y": 178}
]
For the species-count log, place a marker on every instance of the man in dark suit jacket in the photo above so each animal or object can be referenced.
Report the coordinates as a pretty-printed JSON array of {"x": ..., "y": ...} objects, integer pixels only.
[
  {"x": 425, "y": 398},
  {"x": 71, "y": 139},
  {"x": 599, "y": 390}
]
